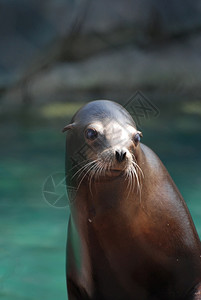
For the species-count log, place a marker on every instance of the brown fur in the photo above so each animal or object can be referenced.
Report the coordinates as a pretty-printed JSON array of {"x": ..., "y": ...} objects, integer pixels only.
[{"x": 138, "y": 247}]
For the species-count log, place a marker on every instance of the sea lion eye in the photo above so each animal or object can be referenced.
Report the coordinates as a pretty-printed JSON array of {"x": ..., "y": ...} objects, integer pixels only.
[
  {"x": 91, "y": 134},
  {"x": 137, "y": 138}
]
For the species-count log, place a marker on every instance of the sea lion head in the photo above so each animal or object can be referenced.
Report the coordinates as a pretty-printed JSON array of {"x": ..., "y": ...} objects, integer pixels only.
[{"x": 103, "y": 141}]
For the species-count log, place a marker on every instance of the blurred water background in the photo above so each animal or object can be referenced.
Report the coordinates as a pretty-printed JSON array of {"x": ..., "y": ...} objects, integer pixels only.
[{"x": 54, "y": 57}]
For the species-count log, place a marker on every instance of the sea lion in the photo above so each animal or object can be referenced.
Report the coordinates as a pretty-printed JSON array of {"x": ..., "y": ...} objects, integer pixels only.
[{"x": 130, "y": 234}]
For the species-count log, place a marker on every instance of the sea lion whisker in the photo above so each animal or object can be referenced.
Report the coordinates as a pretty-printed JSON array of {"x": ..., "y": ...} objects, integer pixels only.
[
  {"x": 107, "y": 164},
  {"x": 110, "y": 166},
  {"x": 104, "y": 169},
  {"x": 80, "y": 163},
  {"x": 91, "y": 167},
  {"x": 139, "y": 183},
  {"x": 134, "y": 161},
  {"x": 100, "y": 171},
  {"x": 128, "y": 179},
  {"x": 132, "y": 177},
  {"x": 127, "y": 172},
  {"x": 131, "y": 181},
  {"x": 135, "y": 177},
  {"x": 82, "y": 169},
  {"x": 138, "y": 173},
  {"x": 90, "y": 179},
  {"x": 84, "y": 177},
  {"x": 97, "y": 172},
  {"x": 93, "y": 174},
  {"x": 138, "y": 167}
]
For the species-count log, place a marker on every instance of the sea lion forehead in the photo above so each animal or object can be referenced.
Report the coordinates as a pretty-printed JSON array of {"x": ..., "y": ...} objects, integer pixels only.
[{"x": 101, "y": 110}]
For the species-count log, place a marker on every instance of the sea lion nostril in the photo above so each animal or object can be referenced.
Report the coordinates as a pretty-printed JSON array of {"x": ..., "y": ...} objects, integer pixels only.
[
  {"x": 120, "y": 155},
  {"x": 117, "y": 155}
]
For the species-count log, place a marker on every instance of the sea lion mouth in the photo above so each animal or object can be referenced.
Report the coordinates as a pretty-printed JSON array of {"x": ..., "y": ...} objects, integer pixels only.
[
  {"x": 114, "y": 172},
  {"x": 99, "y": 171}
]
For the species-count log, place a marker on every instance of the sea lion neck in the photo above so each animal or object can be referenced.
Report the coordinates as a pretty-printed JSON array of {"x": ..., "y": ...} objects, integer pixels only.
[{"x": 112, "y": 195}]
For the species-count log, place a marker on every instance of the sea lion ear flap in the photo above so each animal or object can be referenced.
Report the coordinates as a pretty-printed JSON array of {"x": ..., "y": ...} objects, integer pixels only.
[
  {"x": 68, "y": 127},
  {"x": 140, "y": 133}
]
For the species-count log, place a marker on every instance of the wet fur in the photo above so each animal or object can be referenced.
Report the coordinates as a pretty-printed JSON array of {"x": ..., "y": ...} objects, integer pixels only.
[{"x": 131, "y": 236}]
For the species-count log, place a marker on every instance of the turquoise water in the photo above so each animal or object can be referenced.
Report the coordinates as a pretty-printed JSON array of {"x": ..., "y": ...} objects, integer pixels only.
[{"x": 33, "y": 232}]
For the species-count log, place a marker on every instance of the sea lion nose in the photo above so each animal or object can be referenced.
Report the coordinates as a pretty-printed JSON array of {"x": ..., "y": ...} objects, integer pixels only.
[{"x": 120, "y": 155}]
